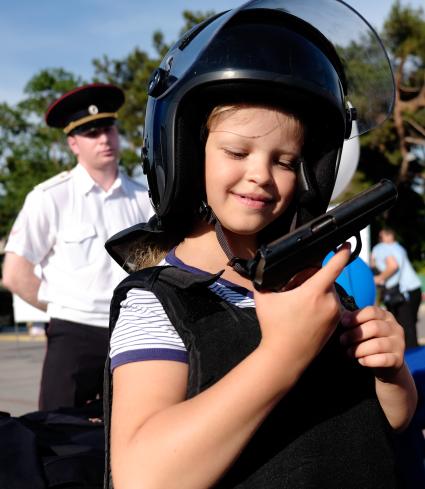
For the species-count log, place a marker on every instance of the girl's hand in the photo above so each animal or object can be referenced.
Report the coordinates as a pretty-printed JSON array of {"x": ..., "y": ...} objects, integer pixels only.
[
  {"x": 297, "y": 323},
  {"x": 373, "y": 336},
  {"x": 376, "y": 340}
]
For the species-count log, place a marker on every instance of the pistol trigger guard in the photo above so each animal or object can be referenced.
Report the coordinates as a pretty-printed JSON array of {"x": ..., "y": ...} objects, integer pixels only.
[{"x": 357, "y": 249}]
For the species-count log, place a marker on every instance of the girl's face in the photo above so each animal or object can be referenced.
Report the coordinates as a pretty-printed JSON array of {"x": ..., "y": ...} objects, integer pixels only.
[{"x": 250, "y": 160}]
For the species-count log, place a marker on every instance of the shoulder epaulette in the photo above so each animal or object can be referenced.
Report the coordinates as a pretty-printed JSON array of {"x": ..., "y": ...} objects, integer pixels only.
[{"x": 55, "y": 180}]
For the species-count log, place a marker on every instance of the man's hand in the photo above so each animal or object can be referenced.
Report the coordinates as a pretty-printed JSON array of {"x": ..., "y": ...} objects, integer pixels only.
[{"x": 20, "y": 279}]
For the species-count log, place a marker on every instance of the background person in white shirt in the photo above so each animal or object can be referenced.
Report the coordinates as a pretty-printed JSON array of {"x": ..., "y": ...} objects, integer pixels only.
[
  {"x": 62, "y": 227},
  {"x": 391, "y": 260}
]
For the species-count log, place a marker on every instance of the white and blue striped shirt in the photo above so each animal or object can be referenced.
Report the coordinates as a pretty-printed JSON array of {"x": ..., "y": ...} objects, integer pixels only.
[{"x": 143, "y": 330}]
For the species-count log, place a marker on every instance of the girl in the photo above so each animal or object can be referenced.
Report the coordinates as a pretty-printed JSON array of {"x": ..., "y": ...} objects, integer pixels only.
[{"x": 214, "y": 383}]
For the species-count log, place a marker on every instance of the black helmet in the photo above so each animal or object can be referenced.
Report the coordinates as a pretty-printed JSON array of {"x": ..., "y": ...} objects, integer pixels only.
[{"x": 313, "y": 58}]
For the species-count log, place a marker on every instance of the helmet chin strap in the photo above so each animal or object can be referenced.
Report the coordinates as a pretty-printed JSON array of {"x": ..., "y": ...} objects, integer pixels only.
[{"x": 238, "y": 264}]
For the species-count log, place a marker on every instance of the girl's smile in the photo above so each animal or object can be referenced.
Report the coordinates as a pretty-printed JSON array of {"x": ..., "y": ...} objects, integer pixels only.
[{"x": 255, "y": 201}]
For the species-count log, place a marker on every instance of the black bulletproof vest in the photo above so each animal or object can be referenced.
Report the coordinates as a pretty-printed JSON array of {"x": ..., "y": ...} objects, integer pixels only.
[{"x": 329, "y": 432}]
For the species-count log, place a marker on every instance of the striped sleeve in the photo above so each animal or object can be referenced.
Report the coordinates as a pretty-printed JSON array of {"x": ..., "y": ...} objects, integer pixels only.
[{"x": 144, "y": 332}]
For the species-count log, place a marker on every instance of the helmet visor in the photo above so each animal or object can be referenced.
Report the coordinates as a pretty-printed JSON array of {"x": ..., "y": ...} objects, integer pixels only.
[{"x": 368, "y": 84}]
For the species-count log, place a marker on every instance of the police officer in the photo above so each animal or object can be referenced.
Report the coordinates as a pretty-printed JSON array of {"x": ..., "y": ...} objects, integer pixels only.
[{"x": 62, "y": 229}]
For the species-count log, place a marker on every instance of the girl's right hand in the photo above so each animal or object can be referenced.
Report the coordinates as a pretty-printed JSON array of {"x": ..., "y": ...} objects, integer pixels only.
[{"x": 298, "y": 322}]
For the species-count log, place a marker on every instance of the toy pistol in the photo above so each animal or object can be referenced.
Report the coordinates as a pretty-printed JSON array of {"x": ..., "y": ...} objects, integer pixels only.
[{"x": 277, "y": 262}]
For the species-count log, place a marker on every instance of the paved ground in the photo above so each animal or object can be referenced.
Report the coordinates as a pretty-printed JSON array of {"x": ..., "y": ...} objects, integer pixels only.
[{"x": 21, "y": 359}]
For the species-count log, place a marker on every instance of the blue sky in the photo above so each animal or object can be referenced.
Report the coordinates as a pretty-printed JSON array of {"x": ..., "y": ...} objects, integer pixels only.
[{"x": 52, "y": 33}]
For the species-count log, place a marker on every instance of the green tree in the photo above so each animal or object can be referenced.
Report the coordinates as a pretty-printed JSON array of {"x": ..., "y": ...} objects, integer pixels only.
[
  {"x": 396, "y": 150},
  {"x": 404, "y": 32},
  {"x": 30, "y": 152}
]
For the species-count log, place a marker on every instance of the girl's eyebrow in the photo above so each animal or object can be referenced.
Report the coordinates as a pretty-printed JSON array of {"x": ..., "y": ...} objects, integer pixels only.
[
  {"x": 282, "y": 150},
  {"x": 249, "y": 137}
]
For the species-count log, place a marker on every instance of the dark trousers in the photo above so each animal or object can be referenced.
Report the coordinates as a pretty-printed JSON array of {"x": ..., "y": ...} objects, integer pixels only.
[
  {"x": 73, "y": 366},
  {"x": 407, "y": 315}
]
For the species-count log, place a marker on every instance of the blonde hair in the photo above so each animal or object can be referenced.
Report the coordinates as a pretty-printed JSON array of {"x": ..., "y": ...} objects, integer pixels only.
[
  {"x": 144, "y": 255},
  {"x": 221, "y": 111}
]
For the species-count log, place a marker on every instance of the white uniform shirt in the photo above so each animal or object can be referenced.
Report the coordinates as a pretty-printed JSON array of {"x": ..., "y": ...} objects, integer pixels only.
[
  {"x": 63, "y": 226},
  {"x": 405, "y": 276}
]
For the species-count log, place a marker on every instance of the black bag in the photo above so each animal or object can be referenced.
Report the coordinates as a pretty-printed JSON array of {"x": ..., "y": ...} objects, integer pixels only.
[
  {"x": 57, "y": 449},
  {"x": 392, "y": 297}
]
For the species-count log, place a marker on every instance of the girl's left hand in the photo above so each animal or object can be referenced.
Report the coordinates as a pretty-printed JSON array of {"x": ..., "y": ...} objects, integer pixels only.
[{"x": 374, "y": 337}]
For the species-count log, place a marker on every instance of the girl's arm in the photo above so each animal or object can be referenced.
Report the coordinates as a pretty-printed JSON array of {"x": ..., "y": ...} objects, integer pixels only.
[
  {"x": 374, "y": 337},
  {"x": 159, "y": 439}
]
